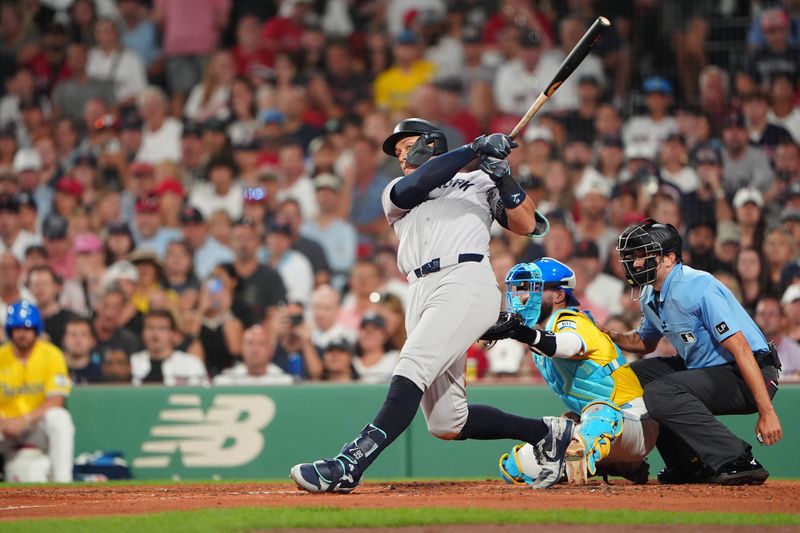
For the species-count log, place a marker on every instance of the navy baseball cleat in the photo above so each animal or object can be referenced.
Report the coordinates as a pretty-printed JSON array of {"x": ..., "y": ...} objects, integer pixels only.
[
  {"x": 550, "y": 451},
  {"x": 743, "y": 471},
  {"x": 326, "y": 475}
]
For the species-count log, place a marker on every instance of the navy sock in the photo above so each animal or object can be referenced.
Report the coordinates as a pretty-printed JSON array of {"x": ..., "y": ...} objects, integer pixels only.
[
  {"x": 399, "y": 409},
  {"x": 485, "y": 422}
]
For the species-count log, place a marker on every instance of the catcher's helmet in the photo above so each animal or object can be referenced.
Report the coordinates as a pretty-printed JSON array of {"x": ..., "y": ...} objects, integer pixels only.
[
  {"x": 431, "y": 142},
  {"x": 524, "y": 288},
  {"x": 646, "y": 241},
  {"x": 557, "y": 275},
  {"x": 23, "y": 314}
]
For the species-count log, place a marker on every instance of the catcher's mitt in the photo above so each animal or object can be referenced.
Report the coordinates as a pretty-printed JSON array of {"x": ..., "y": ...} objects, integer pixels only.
[{"x": 506, "y": 326}]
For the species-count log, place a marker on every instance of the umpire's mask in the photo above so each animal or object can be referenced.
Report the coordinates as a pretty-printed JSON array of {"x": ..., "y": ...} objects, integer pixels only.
[{"x": 645, "y": 242}]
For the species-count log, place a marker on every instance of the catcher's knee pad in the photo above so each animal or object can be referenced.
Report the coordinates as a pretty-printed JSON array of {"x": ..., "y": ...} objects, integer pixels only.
[
  {"x": 601, "y": 423},
  {"x": 28, "y": 465},
  {"x": 520, "y": 466}
]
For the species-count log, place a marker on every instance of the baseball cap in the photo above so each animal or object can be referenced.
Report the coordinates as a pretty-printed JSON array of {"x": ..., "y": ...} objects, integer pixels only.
[
  {"x": 69, "y": 185},
  {"x": 639, "y": 150},
  {"x": 747, "y": 195},
  {"x": 54, "y": 227},
  {"x": 26, "y": 199},
  {"x": 272, "y": 116},
  {"x": 27, "y": 159},
  {"x": 170, "y": 185},
  {"x": 657, "y": 84},
  {"x": 592, "y": 184},
  {"x": 143, "y": 255},
  {"x": 86, "y": 243},
  {"x": 339, "y": 343},
  {"x": 537, "y": 133},
  {"x": 120, "y": 270},
  {"x": 280, "y": 227},
  {"x": 327, "y": 181},
  {"x": 8, "y": 130},
  {"x": 728, "y": 232},
  {"x": 707, "y": 155},
  {"x": 140, "y": 168},
  {"x": 130, "y": 121},
  {"x": 149, "y": 203},
  {"x": 529, "y": 39},
  {"x": 85, "y": 158},
  {"x": 191, "y": 129},
  {"x": 587, "y": 248},
  {"x": 789, "y": 273},
  {"x": 612, "y": 140},
  {"x": 214, "y": 124},
  {"x": 790, "y": 214},
  {"x": 406, "y": 37},
  {"x": 791, "y": 294},
  {"x": 9, "y": 202},
  {"x": 119, "y": 227},
  {"x": 733, "y": 120},
  {"x": 450, "y": 85},
  {"x": 373, "y": 319}
]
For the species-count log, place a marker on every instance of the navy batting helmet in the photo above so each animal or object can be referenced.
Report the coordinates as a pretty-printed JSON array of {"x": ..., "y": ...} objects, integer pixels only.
[
  {"x": 431, "y": 142},
  {"x": 646, "y": 241}
]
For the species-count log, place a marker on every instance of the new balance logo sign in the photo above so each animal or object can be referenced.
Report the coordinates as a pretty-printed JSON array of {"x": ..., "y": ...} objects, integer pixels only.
[{"x": 228, "y": 434}]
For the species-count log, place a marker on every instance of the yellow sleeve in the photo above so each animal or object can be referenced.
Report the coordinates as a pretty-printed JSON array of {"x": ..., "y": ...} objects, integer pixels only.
[
  {"x": 56, "y": 379},
  {"x": 381, "y": 91},
  {"x": 585, "y": 328}
]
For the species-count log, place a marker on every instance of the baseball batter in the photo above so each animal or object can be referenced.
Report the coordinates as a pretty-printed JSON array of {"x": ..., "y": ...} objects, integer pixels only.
[
  {"x": 586, "y": 370},
  {"x": 442, "y": 217}
]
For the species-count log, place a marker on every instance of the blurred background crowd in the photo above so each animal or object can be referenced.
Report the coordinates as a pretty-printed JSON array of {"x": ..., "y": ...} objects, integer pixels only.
[{"x": 190, "y": 189}]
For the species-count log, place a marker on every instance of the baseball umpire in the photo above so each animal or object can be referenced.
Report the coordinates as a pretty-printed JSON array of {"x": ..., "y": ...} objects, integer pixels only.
[
  {"x": 725, "y": 366},
  {"x": 585, "y": 369},
  {"x": 442, "y": 217}
]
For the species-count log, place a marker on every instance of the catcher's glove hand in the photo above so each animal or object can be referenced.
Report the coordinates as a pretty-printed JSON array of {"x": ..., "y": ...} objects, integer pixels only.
[{"x": 506, "y": 327}]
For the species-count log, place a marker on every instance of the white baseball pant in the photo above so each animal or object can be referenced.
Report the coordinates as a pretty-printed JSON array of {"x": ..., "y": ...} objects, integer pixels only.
[{"x": 55, "y": 434}]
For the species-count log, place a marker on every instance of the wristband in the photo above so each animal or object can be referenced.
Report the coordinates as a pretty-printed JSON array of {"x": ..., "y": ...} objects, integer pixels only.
[{"x": 511, "y": 194}]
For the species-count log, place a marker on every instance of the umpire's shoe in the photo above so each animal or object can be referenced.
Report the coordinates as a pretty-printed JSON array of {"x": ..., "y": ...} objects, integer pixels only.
[
  {"x": 685, "y": 475},
  {"x": 742, "y": 471},
  {"x": 550, "y": 451}
]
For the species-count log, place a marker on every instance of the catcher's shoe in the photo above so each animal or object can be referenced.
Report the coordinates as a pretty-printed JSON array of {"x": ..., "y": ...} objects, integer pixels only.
[
  {"x": 327, "y": 475},
  {"x": 550, "y": 451}
]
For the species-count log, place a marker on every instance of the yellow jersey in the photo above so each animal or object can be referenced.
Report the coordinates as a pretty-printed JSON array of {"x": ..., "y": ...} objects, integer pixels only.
[
  {"x": 393, "y": 87},
  {"x": 24, "y": 385}
]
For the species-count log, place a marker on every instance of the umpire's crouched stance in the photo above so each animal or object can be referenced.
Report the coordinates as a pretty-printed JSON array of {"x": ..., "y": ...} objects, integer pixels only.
[{"x": 725, "y": 364}]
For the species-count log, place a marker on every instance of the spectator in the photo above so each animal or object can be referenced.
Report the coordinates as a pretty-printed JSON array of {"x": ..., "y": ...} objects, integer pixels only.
[
  {"x": 80, "y": 294},
  {"x": 211, "y": 96},
  {"x": 13, "y": 238},
  {"x": 294, "y": 268},
  {"x": 35, "y": 385},
  {"x": 649, "y": 131},
  {"x": 208, "y": 252},
  {"x": 150, "y": 234},
  {"x": 790, "y": 302},
  {"x": 296, "y": 183},
  {"x": 362, "y": 190},
  {"x": 244, "y": 122},
  {"x": 295, "y": 354},
  {"x": 779, "y": 55},
  {"x": 743, "y": 165},
  {"x": 336, "y": 235},
  {"x": 391, "y": 308},
  {"x": 116, "y": 366},
  {"x": 786, "y": 161},
  {"x": 108, "y": 326},
  {"x": 191, "y": 31},
  {"x": 260, "y": 286},
  {"x": 83, "y": 361},
  {"x": 193, "y": 153},
  {"x": 393, "y": 87},
  {"x": 755, "y": 108},
  {"x": 71, "y": 94},
  {"x": 726, "y": 246},
  {"x": 373, "y": 362},
  {"x": 365, "y": 279},
  {"x": 138, "y": 33},
  {"x": 325, "y": 301},
  {"x": 28, "y": 167},
  {"x": 594, "y": 195},
  {"x": 178, "y": 269},
  {"x": 337, "y": 360},
  {"x": 520, "y": 76},
  {"x": 119, "y": 242},
  {"x": 350, "y": 89},
  {"x": 161, "y": 137},
  {"x": 110, "y": 61},
  {"x": 45, "y": 286},
  {"x": 221, "y": 192},
  {"x": 779, "y": 249},
  {"x": 603, "y": 289},
  {"x": 159, "y": 362},
  {"x": 220, "y": 331},
  {"x": 249, "y": 53},
  {"x": 256, "y": 367},
  {"x": 149, "y": 291},
  {"x": 770, "y": 318},
  {"x": 783, "y": 112}
]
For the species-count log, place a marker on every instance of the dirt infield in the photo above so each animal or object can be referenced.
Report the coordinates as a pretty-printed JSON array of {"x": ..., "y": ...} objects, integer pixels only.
[{"x": 86, "y": 500}]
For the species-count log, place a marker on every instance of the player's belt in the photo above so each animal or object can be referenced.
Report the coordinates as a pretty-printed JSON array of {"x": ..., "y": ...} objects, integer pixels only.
[{"x": 435, "y": 265}]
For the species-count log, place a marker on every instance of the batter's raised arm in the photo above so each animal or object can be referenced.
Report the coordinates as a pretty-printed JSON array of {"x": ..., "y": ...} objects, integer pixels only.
[{"x": 413, "y": 188}]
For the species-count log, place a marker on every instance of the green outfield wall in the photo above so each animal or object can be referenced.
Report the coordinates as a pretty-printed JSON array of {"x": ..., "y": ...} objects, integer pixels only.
[{"x": 260, "y": 432}]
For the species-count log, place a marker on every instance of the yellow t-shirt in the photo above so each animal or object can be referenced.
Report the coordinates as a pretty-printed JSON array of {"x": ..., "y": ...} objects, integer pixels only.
[
  {"x": 599, "y": 348},
  {"x": 24, "y": 386},
  {"x": 393, "y": 86}
]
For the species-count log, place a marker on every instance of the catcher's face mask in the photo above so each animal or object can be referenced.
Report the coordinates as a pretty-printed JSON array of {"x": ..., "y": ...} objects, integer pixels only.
[{"x": 524, "y": 288}]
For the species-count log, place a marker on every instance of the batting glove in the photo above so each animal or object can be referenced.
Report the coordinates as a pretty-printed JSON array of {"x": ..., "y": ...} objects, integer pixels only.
[
  {"x": 494, "y": 145},
  {"x": 497, "y": 169}
]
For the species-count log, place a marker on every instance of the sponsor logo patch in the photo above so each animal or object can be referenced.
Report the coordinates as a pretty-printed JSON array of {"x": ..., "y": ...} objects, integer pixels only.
[
  {"x": 566, "y": 324},
  {"x": 722, "y": 327},
  {"x": 688, "y": 337}
]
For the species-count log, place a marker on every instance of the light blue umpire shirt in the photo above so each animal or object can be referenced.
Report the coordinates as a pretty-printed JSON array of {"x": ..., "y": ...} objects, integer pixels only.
[{"x": 696, "y": 312}]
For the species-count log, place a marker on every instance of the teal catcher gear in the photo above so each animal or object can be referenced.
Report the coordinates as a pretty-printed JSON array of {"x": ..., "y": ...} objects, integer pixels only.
[
  {"x": 557, "y": 275},
  {"x": 601, "y": 423},
  {"x": 23, "y": 314},
  {"x": 524, "y": 289},
  {"x": 519, "y": 467}
]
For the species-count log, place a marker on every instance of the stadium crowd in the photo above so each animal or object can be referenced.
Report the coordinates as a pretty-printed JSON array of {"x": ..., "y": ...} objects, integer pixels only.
[{"x": 190, "y": 189}]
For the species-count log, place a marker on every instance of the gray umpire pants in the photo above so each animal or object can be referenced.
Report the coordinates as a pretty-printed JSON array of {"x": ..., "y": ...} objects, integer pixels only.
[{"x": 685, "y": 403}]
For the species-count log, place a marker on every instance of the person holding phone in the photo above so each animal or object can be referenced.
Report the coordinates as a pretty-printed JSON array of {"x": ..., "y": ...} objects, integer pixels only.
[{"x": 220, "y": 332}]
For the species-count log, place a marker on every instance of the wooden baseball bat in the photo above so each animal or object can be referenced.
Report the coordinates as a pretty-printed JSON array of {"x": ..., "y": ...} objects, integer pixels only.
[{"x": 575, "y": 57}]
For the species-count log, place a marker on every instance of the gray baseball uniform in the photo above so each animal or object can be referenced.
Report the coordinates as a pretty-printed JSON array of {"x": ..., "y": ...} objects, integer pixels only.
[{"x": 449, "y": 308}]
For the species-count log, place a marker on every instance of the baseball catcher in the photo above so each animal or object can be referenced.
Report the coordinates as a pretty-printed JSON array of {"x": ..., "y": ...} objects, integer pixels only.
[{"x": 583, "y": 367}]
